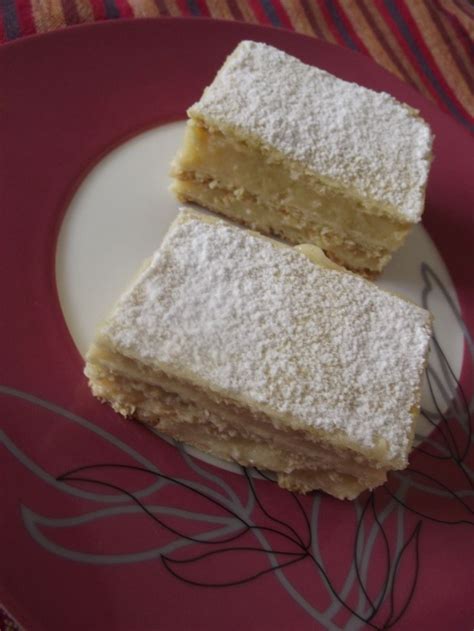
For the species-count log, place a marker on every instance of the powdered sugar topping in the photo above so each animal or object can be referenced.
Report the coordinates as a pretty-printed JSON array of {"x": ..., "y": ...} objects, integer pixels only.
[
  {"x": 261, "y": 323},
  {"x": 364, "y": 140}
]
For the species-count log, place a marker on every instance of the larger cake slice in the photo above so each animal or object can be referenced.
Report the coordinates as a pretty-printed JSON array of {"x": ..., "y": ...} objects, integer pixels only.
[
  {"x": 293, "y": 151},
  {"x": 250, "y": 350}
]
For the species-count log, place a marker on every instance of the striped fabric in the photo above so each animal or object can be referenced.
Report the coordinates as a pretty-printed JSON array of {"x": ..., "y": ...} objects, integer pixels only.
[{"x": 427, "y": 43}]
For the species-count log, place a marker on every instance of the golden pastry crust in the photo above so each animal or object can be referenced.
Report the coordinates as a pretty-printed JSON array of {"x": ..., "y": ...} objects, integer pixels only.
[
  {"x": 351, "y": 137},
  {"x": 266, "y": 355},
  {"x": 293, "y": 151},
  {"x": 230, "y": 434}
]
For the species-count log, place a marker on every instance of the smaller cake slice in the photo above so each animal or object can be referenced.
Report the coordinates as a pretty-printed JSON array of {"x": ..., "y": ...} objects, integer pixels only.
[
  {"x": 265, "y": 355},
  {"x": 293, "y": 151}
]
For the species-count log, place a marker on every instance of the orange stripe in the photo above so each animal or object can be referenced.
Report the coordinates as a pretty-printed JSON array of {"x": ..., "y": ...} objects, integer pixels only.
[
  {"x": 463, "y": 37},
  {"x": 173, "y": 8},
  {"x": 397, "y": 50},
  {"x": 419, "y": 52},
  {"x": 309, "y": 15},
  {"x": 48, "y": 15},
  {"x": 321, "y": 22},
  {"x": 247, "y": 12},
  {"x": 450, "y": 8},
  {"x": 219, "y": 9},
  {"x": 366, "y": 34},
  {"x": 84, "y": 10},
  {"x": 348, "y": 27},
  {"x": 453, "y": 38},
  {"x": 297, "y": 17},
  {"x": 441, "y": 53},
  {"x": 380, "y": 37},
  {"x": 144, "y": 8}
]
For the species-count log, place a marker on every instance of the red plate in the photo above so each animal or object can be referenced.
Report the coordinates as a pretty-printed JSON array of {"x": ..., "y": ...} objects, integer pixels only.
[{"x": 143, "y": 536}]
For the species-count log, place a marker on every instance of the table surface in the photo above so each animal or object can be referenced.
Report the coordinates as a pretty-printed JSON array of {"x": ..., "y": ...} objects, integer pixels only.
[{"x": 427, "y": 43}]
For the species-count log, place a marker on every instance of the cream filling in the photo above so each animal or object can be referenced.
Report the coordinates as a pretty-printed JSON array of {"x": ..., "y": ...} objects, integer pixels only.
[
  {"x": 255, "y": 213},
  {"x": 104, "y": 363},
  {"x": 234, "y": 439},
  {"x": 211, "y": 155}
]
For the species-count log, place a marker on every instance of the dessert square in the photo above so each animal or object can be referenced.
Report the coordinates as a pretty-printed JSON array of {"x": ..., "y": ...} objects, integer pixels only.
[
  {"x": 265, "y": 355},
  {"x": 293, "y": 151}
]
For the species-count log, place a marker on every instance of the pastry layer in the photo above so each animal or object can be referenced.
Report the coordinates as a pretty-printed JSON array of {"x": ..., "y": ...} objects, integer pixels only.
[
  {"x": 132, "y": 378},
  {"x": 230, "y": 434},
  {"x": 303, "y": 198},
  {"x": 244, "y": 338},
  {"x": 293, "y": 151},
  {"x": 366, "y": 143},
  {"x": 252, "y": 187}
]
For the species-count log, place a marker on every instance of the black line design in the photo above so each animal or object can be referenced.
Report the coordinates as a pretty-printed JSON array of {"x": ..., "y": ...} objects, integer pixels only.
[
  {"x": 376, "y": 607},
  {"x": 452, "y": 431},
  {"x": 356, "y": 556},
  {"x": 416, "y": 536},
  {"x": 266, "y": 513},
  {"x": 301, "y": 542},
  {"x": 302, "y": 511},
  {"x": 67, "y": 477}
]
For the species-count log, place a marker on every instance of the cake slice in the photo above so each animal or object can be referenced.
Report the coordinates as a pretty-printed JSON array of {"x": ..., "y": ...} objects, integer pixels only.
[
  {"x": 293, "y": 151},
  {"x": 265, "y": 355}
]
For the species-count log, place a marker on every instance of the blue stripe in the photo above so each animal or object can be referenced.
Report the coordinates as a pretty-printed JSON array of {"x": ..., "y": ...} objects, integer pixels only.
[
  {"x": 193, "y": 7},
  {"x": 348, "y": 41},
  {"x": 271, "y": 13},
  {"x": 111, "y": 10},
  {"x": 392, "y": 9},
  {"x": 10, "y": 19}
]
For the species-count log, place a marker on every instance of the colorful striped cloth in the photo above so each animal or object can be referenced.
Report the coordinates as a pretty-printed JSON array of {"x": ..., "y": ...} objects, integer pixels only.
[{"x": 427, "y": 43}]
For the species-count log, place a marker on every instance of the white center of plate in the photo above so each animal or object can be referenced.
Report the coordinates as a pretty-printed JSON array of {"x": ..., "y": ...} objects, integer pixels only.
[{"x": 122, "y": 210}]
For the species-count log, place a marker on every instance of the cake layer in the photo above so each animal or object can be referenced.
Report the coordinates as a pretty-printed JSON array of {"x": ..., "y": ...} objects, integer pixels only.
[
  {"x": 252, "y": 211},
  {"x": 299, "y": 200},
  {"x": 133, "y": 384},
  {"x": 367, "y": 143},
  {"x": 256, "y": 323},
  {"x": 226, "y": 435}
]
